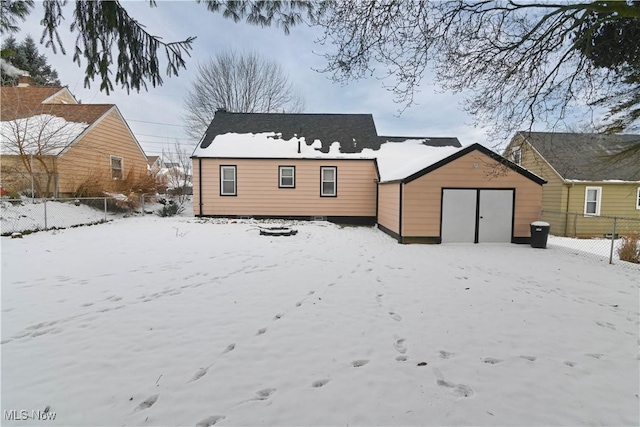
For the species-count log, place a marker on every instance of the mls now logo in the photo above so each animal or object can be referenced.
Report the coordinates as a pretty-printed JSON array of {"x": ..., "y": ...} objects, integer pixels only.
[{"x": 22, "y": 415}]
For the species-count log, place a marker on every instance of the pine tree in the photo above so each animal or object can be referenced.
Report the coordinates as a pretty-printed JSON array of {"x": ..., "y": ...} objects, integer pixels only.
[{"x": 25, "y": 56}]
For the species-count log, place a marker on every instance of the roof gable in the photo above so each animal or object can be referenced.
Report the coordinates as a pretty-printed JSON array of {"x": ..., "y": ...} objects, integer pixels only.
[
  {"x": 588, "y": 156},
  {"x": 466, "y": 150},
  {"x": 20, "y": 102}
]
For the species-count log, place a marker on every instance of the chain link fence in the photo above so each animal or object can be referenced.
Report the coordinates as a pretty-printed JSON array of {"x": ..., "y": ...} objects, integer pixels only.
[
  {"x": 27, "y": 215},
  {"x": 614, "y": 239}
]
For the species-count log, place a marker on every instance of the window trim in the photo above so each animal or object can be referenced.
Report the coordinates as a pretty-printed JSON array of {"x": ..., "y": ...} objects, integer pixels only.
[
  {"x": 335, "y": 181},
  {"x": 598, "y": 200},
  {"x": 235, "y": 180},
  {"x": 280, "y": 184},
  {"x": 638, "y": 199},
  {"x": 518, "y": 160},
  {"x": 111, "y": 158}
]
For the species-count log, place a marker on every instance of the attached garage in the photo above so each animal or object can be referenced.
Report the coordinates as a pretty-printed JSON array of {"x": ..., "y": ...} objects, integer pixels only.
[{"x": 470, "y": 196}]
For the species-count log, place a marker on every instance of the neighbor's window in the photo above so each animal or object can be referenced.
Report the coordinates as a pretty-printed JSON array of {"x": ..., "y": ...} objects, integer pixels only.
[
  {"x": 328, "y": 180},
  {"x": 516, "y": 156},
  {"x": 638, "y": 199},
  {"x": 116, "y": 167},
  {"x": 287, "y": 177},
  {"x": 592, "y": 200},
  {"x": 227, "y": 180}
]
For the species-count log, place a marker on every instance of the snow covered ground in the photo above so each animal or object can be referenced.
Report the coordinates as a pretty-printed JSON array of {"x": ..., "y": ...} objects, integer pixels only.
[{"x": 177, "y": 321}]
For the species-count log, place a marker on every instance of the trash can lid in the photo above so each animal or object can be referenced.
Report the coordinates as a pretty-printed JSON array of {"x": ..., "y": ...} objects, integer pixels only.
[{"x": 540, "y": 224}]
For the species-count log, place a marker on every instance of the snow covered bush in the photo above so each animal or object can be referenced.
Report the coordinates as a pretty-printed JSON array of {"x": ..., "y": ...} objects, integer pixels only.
[
  {"x": 629, "y": 249},
  {"x": 169, "y": 208}
]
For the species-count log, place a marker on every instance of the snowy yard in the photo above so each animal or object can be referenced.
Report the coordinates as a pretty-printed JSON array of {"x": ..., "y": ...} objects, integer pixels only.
[{"x": 176, "y": 321}]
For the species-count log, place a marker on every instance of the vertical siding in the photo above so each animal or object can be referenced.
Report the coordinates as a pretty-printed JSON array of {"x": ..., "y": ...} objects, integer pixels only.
[
  {"x": 91, "y": 156},
  {"x": 422, "y": 197},
  {"x": 389, "y": 206},
  {"x": 258, "y": 193}
]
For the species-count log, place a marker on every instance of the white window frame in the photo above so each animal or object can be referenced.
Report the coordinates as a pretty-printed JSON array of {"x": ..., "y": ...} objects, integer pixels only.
[
  {"x": 516, "y": 156},
  {"x": 638, "y": 199},
  {"x": 293, "y": 177},
  {"x": 598, "y": 200},
  {"x": 334, "y": 181},
  {"x": 111, "y": 159},
  {"x": 234, "y": 180}
]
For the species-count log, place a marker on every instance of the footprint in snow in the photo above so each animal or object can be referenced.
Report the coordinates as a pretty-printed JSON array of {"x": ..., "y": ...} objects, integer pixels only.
[
  {"x": 199, "y": 374},
  {"x": 529, "y": 358},
  {"x": 459, "y": 390},
  {"x": 569, "y": 363},
  {"x": 209, "y": 421},
  {"x": 261, "y": 331},
  {"x": 399, "y": 346},
  {"x": 446, "y": 354},
  {"x": 401, "y": 358},
  {"x": 491, "y": 360},
  {"x": 319, "y": 383},
  {"x": 229, "y": 348},
  {"x": 278, "y": 316},
  {"x": 265, "y": 393},
  {"x": 359, "y": 363},
  {"x": 595, "y": 355},
  {"x": 147, "y": 403},
  {"x": 395, "y": 316}
]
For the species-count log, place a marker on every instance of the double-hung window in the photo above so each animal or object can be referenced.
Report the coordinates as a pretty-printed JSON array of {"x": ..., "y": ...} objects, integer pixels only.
[
  {"x": 328, "y": 181},
  {"x": 592, "y": 198},
  {"x": 287, "y": 177},
  {"x": 638, "y": 199},
  {"x": 117, "y": 167},
  {"x": 228, "y": 182}
]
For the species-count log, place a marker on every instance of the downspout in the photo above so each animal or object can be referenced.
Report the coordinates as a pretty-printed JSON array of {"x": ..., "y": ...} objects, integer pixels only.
[{"x": 200, "y": 184}]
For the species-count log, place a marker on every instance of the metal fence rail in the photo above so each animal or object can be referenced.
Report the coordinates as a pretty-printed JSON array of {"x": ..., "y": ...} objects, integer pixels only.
[
  {"x": 597, "y": 237},
  {"x": 28, "y": 215}
]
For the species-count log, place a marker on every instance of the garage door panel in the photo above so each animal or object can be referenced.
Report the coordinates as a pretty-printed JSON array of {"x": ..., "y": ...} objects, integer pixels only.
[
  {"x": 496, "y": 216},
  {"x": 458, "y": 216}
]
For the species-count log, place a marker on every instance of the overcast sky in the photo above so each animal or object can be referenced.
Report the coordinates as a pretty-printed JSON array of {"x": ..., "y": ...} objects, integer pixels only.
[{"x": 155, "y": 116}]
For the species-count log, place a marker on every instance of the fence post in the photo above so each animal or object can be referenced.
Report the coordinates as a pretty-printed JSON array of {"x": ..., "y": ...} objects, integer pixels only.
[
  {"x": 105, "y": 209},
  {"x": 45, "y": 214},
  {"x": 142, "y": 204},
  {"x": 613, "y": 241}
]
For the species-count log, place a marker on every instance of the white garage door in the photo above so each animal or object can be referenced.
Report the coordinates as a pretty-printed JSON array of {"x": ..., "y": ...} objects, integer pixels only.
[
  {"x": 459, "y": 216},
  {"x": 477, "y": 215}
]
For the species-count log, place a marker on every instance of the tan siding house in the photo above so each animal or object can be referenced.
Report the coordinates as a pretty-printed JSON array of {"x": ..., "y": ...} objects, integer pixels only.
[
  {"x": 423, "y": 215},
  {"x": 258, "y": 193},
  {"x": 337, "y": 168},
  {"x": 51, "y": 142},
  {"x": 588, "y": 177}
]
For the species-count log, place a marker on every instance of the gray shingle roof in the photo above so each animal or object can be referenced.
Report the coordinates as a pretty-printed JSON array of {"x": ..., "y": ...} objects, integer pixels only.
[
  {"x": 588, "y": 156},
  {"x": 355, "y": 132}
]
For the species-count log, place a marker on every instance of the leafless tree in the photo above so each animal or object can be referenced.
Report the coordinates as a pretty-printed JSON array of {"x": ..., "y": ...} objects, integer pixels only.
[
  {"x": 241, "y": 83},
  {"x": 521, "y": 62},
  {"x": 30, "y": 147},
  {"x": 175, "y": 172}
]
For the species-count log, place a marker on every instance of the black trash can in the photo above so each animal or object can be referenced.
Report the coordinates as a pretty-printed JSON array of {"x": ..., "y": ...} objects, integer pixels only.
[{"x": 539, "y": 234}]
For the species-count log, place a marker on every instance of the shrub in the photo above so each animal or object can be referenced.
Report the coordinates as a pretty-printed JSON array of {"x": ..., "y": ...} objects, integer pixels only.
[
  {"x": 170, "y": 208},
  {"x": 629, "y": 250}
]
